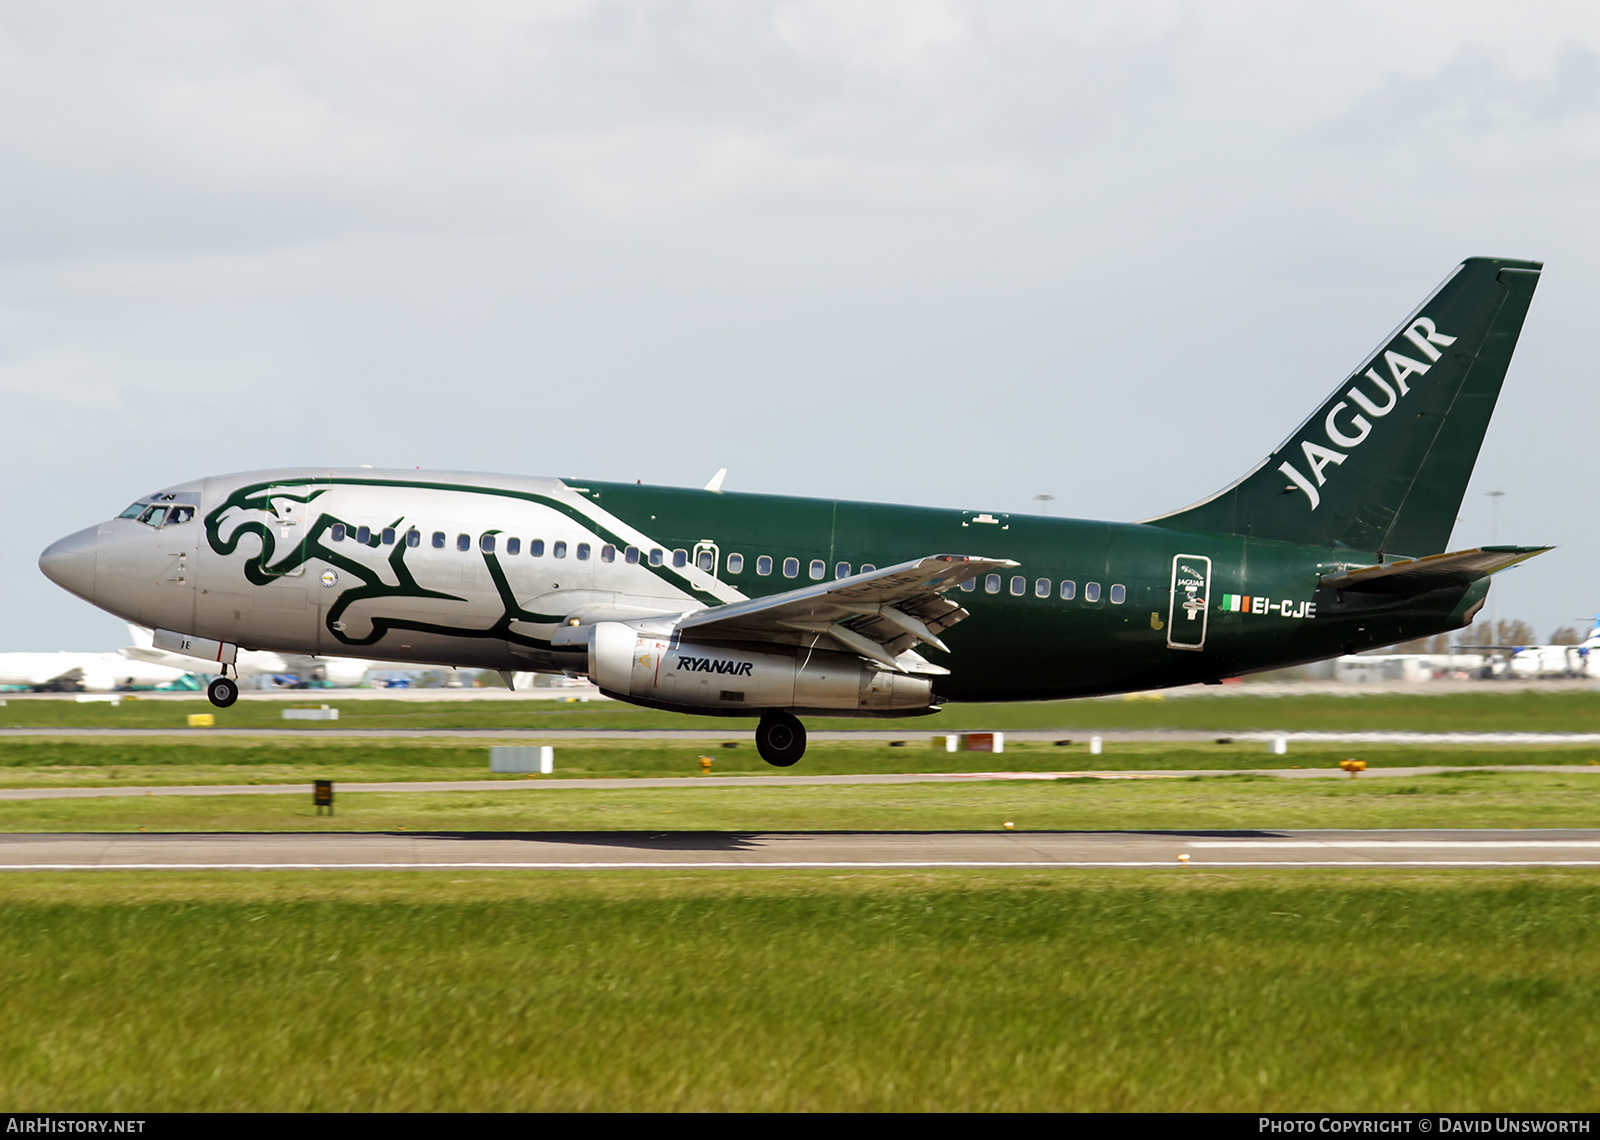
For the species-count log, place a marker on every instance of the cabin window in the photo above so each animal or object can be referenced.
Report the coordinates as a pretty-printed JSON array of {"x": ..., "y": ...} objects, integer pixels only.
[
  {"x": 513, "y": 546},
  {"x": 764, "y": 565},
  {"x": 413, "y": 537},
  {"x": 818, "y": 569},
  {"x": 631, "y": 555},
  {"x": 1119, "y": 594},
  {"x": 736, "y": 564},
  {"x": 438, "y": 540},
  {"x": 1019, "y": 586},
  {"x": 1041, "y": 588},
  {"x": 559, "y": 550},
  {"x": 705, "y": 561},
  {"x": 680, "y": 558},
  {"x": 336, "y": 532},
  {"x": 655, "y": 556},
  {"x": 364, "y": 535},
  {"x": 1091, "y": 591},
  {"x": 388, "y": 536},
  {"x": 1069, "y": 589},
  {"x": 867, "y": 567},
  {"x": 608, "y": 553},
  {"x": 991, "y": 584},
  {"x": 583, "y": 552},
  {"x": 536, "y": 547},
  {"x": 791, "y": 567},
  {"x": 842, "y": 570},
  {"x": 463, "y": 542},
  {"x": 486, "y": 543},
  {"x": 970, "y": 585}
]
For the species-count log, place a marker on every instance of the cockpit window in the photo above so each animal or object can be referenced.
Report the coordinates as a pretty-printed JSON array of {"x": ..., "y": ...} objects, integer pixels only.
[{"x": 159, "y": 514}]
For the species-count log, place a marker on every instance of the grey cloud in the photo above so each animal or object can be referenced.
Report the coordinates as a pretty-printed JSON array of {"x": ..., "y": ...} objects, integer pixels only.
[{"x": 1473, "y": 94}]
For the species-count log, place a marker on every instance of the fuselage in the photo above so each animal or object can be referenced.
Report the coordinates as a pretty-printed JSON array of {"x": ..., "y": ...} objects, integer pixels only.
[{"x": 480, "y": 571}]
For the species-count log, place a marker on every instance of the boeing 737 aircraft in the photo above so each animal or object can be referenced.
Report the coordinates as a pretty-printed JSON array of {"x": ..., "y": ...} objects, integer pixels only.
[{"x": 711, "y": 602}]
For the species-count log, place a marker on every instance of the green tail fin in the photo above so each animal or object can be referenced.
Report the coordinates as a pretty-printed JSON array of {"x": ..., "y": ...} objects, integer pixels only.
[{"x": 1383, "y": 464}]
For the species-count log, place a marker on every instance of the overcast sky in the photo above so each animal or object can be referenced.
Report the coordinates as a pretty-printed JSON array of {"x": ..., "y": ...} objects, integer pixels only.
[{"x": 957, "y": 254}]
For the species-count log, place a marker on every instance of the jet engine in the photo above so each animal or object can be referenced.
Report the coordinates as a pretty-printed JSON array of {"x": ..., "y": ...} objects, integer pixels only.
[{"x": 666, "y": 671}]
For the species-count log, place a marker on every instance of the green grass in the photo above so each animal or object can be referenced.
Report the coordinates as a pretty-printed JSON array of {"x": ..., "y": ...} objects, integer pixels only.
[
  {"x": 1460, "y": 799},
  {"x": 113, "y": 761},
  {"x": 1487, "y": 710},
  {"x": 1178, "y": 992}
]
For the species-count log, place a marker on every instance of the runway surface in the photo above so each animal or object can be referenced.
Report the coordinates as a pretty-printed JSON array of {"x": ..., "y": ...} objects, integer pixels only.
[
  {"x": 611, "y": 850},
  {"x": 553, "y": 784}
]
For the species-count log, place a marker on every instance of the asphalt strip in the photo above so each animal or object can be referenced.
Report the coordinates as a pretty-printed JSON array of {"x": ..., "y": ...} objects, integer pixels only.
[
  {"x": 721, "y": 851},
  {"x": 682, "y": 782}
]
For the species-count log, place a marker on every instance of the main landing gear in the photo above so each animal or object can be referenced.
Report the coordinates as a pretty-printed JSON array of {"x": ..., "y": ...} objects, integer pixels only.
[
  {"x": 781, "y": 739},
  {"x": 223, "y": 691}
]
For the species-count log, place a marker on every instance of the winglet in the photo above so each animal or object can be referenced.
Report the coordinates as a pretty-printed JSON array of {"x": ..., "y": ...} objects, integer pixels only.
[{"x": 716, "y": 480}]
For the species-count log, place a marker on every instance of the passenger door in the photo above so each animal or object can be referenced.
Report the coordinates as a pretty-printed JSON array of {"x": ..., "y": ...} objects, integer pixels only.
[{"x": 1188, "y": 602}]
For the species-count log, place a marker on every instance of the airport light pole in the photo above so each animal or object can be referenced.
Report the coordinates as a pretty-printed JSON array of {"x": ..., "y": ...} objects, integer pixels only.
[
  {"x": 1494, "y": 498},
  {"x": 1044, "y": 500}
]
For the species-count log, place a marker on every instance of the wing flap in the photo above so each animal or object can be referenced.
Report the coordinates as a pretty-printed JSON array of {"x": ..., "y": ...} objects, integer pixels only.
[
  {"x": 880, "y": 615},
  {"x": 1419, "y": 575}
]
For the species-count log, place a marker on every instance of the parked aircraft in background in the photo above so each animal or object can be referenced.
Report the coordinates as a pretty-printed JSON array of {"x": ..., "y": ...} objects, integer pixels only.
[
  {"x": 341, "y": 671},
  {"x": 91, "y": 672},
  {"x": 1530, "y": 662},
  {"x": 711, "y": 602}
]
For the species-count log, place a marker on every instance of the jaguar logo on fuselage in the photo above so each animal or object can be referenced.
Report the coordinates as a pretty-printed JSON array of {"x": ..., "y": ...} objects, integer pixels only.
[
  {"x": 1353, "y": 432},
  {"x": 712, "y": 665}
]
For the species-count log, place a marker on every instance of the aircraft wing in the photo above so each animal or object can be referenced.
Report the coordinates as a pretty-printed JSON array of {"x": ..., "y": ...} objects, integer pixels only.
[
  {"x": 1419, "y": 575},
  {"x": 55, "y": 673},
  {"x": 39, "y": 668},
  {"x": 880, "y": 614}
]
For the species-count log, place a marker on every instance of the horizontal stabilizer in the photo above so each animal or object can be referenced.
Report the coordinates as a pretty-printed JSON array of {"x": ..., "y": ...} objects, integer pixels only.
[{"x": 1419, "y": 575}]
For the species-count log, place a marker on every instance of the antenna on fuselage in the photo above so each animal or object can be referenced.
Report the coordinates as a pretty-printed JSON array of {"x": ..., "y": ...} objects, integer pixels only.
[{"x": 716, "y": 480}]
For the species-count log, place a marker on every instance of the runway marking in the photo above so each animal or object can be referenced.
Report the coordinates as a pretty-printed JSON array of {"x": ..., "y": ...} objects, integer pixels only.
[
  {"x": 1173, "y": 775},
  {"x": 1389, "y": 844}
]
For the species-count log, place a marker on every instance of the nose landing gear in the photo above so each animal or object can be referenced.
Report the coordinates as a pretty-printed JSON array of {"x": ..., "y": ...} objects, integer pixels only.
[
  {"x": 781, "y": 739},
  {"x": 222, "y": 692}
]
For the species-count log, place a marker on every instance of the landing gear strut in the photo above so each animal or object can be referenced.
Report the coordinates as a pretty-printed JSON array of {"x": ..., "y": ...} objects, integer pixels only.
[
  {"x": 223, "y": 691},
  {"x": 781, "y": 739}
]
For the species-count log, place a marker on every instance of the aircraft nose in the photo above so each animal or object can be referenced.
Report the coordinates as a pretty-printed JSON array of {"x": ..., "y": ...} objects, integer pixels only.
[{"x": 69, "y": 562}]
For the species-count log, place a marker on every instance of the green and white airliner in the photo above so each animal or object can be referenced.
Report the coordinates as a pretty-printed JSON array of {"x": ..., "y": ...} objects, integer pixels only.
[{"x": 705, "y": 601}]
